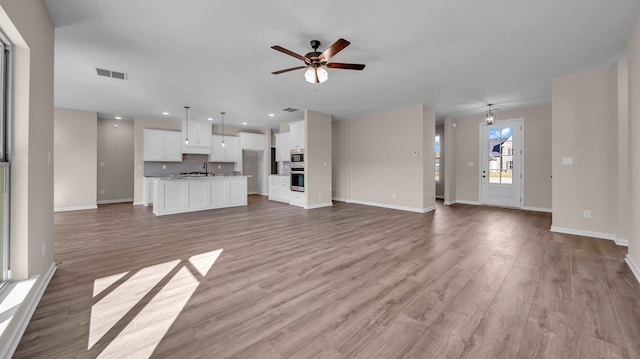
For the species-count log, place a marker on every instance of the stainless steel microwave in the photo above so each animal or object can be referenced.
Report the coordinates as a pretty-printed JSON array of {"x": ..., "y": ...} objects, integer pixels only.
[{"x": 297, "y": 156}]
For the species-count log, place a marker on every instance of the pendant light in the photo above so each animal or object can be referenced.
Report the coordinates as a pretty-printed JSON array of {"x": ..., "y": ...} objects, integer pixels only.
[
  {"x": 222, "y": 115},
  {"x": 491, "y": 118},
  {"x": 186, "y": 118}
]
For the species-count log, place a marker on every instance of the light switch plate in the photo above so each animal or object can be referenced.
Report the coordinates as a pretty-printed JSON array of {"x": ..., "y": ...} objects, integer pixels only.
[{"x": 567, "y": 160}]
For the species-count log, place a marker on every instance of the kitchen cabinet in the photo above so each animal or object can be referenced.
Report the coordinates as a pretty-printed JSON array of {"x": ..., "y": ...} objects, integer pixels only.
[
  {"x": 231, "y": 151},
  {"x": 147, "y": 191},
  {"x": 162, "y": 146},
  {"x": 253, "y": 141},
  {"x": 297, "y": 134},
  {"x": 199, "y": 138},
  {"x": 179, "y": 195},
  {"x": 282, "y": 147},
  {"x": 279, "y": 188},
  {"x": 298, "y": 199}
]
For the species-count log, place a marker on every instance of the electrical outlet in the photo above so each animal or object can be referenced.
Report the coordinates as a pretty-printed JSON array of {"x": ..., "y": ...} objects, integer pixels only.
[
  {"x": 101, "y": 164},
  {"x": 393, "y": 195},
  {"x": 219, "y": 166},
  {"x": 101, "y": 191},
  {"x": 470, "y": 164},
  {"x": 164, "y": 167},
  {"x": 319, "y": 194},
  {"x": 587, "y": 213}
]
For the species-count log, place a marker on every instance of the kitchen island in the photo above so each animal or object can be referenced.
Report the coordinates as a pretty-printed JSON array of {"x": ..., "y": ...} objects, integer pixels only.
[{"x": 182, "y": 194}]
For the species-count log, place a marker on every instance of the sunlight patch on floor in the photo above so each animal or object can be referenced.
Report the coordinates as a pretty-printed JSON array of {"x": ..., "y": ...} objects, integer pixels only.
[
  {"x": 144, "y": 327},
  {"x": 103, "y": 283},
  {"x": 115, "y": 305}
]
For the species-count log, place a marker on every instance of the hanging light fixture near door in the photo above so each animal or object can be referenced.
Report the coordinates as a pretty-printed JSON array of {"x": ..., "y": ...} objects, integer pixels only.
[
  {"x": 491, "y": 118},
  {"x": 186, "y": 118},
  {"x": 222, "y": 115}
]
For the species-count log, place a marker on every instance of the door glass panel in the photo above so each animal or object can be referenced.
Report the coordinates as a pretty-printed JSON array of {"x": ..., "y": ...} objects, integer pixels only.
[{"x": 501, "y": 155}]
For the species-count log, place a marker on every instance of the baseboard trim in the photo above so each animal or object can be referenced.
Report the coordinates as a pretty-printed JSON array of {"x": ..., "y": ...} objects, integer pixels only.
[
  {"x": 580, "y": 232},
  {"x": 475, "y": 203},
  {"x": 391, "y": 206},
  {"x": 77, "y": 208},
  {"x": 439, "y": 197},
  {"x": 321, "y": 205},
  {"x": 429, "y": 209},
  {"x": 340, "y": 199},
  {"x": 23, "y": 321},
  {"x": 138, "y": 203},
  {"x": 633, "y": 266},
  {"x": 122, "y": 200},
  {"x": 254, "y": 192},
  {"x": 449, "y": 203},
  {"x": 621, "y": 242},
  {"x": 537, "y": 209}
]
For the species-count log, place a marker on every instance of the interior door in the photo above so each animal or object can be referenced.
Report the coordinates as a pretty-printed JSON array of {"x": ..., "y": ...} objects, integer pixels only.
[{"x": 501, "y": 163}]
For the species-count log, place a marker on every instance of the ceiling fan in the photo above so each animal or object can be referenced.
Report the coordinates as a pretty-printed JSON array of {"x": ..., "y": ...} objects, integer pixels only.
[{"x": 317, "y": 63}]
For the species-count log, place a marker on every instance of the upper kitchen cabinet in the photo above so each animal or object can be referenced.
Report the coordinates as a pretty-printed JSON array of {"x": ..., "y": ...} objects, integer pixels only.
[
  {"x": 199, "y": 137},
  {"x": 282, "y": 147},
  {"x": 230, "y": 152},
  {"x": 253, "y": 141},
  {"x": 162, "y": 146},
  {"x": 296, "y": 135}
]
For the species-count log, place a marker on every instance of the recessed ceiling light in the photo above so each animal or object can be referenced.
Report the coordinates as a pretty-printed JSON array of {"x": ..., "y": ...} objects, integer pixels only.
[
  {"x": 165, "y": 113},
  {"x": 244, "y": 124},
  {"x": 210, "y": 119},
  {"x": 271, "y": 115},
  {"x": 118, "y": 117}
]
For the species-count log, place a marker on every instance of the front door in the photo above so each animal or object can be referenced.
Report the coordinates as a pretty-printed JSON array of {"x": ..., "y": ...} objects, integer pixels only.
[{"x": 501, "y": 163}]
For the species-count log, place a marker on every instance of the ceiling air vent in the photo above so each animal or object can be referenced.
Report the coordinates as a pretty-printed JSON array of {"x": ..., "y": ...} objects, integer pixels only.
[
  {"x": 289, "y": 109},
  {"x": 112, "y": 74}
]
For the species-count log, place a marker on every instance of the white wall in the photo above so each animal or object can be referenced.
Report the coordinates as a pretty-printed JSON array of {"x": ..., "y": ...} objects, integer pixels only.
[
  {"x": 318, "y": 159},
  {"x": 28, "y": 27},
  {"x": 585, "y": 108},
  {"x": 462, "y": 147},
  {"x": 380, "y": 167},
  {"x": 75, "y": 137},
  {"x": 634, "y": 146}
]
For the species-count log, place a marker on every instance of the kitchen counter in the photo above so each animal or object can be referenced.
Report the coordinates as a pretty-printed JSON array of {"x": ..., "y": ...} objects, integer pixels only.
[{"x": 180, "y": 194}]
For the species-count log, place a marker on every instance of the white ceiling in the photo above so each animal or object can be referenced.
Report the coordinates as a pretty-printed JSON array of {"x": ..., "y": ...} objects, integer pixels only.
[{"x": 454, "y": 56}]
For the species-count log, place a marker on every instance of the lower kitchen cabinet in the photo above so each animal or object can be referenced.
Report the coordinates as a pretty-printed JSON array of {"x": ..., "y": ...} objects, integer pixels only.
[
  {"x": 279, "y": 188},
  {"x": 179, "y": 195}
]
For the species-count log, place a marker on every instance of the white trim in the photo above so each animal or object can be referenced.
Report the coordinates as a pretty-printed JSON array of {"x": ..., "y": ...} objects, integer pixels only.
[
  {"x": 339, "y": 199},
  {"x": 633, "y": 266},
  {"x": 391, "y": 206},
  {"x": 429, "y": 209},
  {"x": 449, "y": 203},
  {"x": 475, "y": 203},
  {"x": 121, "y": 200},
  {"x": 138, "y": 203},
  {"x": 537, "y": 209},
  {"x": 439, "y": 197},
  {"x": 77, "y": 208},
  {"x": 254, "y": 192},
  {"x": 580, "y": 232},
  {"x": 23, "y": 320},
  {"x": 621, "y": 242},
  {"x": 320, "y": 205}
]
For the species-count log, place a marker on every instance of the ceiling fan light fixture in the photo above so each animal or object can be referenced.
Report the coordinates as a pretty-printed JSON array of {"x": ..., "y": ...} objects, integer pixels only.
[
  {"x": 323, "y": 75},
  {"x": 318, "y": 74}
]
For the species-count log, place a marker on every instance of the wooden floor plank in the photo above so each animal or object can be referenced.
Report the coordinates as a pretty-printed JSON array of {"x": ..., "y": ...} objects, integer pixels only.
[{"x": 339, "y": 282}]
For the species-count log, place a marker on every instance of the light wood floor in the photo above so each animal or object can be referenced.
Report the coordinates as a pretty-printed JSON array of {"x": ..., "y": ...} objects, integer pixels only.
[{"x": 350, "y": 281}]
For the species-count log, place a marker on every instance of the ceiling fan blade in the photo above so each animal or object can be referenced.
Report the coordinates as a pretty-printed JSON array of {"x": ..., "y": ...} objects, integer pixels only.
[
  {"x": 340, "y": 65},
  {"x": 290, "y": 53},
  {"x": 289, "y": 69},
  {"x": 334, "y": 49}
]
